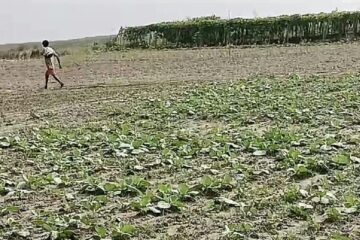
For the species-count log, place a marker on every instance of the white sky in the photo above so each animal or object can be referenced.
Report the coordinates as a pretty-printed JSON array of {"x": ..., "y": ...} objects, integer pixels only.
[{"x": 35, "y": 20}]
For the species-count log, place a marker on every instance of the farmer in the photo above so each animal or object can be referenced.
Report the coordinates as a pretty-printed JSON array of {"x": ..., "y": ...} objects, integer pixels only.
[{"x": 49, "y": 55}]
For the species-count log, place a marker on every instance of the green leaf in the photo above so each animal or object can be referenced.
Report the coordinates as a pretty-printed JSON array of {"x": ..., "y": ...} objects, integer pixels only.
[
  {"x": 228, "y": 181},
  {"x": 13, "y": 209},
  {"x": 66, "y": 234},
  {"x": 128, "y": 229},
  {"x": 138, "y": 182},
  {"x": 102, "y": 199},
  {"x": 301, "y": 171},
  {"x": 184, "y": 189},
  {"x": 333, "y": 215},
  {"x": 111, "y": 187},
  {"x": 142, "y": 204},
  {"x": 101, "y": 232},
  {"x": 342, "y": 160},
  {"x": 177, "y": 204},
  {"x": 165, "y": 189},
  {"x": 44, "y": 225},
  {"x": 207, "y": 181}
]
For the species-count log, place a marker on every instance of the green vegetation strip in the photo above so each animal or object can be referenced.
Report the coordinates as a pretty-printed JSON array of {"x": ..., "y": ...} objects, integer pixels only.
[{"x": 213, "y": 31}]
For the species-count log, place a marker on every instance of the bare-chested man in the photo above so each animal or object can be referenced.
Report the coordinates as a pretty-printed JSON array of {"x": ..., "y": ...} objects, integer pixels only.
[{"x": 49, "y": 55}]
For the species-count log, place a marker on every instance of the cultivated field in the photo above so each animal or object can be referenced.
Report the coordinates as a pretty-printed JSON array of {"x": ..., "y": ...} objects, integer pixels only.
[{"x": 183, "y": 144}]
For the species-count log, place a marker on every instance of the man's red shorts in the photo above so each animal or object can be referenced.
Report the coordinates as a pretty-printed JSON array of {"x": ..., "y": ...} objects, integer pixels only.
[{"x": 50, "y": 72}]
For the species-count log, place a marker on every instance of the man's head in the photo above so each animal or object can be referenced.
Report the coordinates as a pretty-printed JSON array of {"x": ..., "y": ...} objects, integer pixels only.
[{"x": 45, "y": 43}]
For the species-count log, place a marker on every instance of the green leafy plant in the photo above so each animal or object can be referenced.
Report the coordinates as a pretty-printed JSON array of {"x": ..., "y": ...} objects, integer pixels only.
[
  {"x": 292, "y": 194},
  {"x": 342, "y": 160},
  {"x": 333, "y": 215},
  {"x": 101, "y": 232},
  {"x": 302, "y": 172},
  {"x": 212, "y": 186},
  {"x": 317, "y": 165},
  {"x": 185, "y": 192},
  {"x": 292, "y": 158},
  {"x": 299, "y": 212},
  {"x": 59, "y": 228},
  {"x": 165, "y": 190},
  {"x": 8, "y": 210},
  {"x": 134, "y": 185},
  {"x": 171, "y": 197},
  {"x": 351, "y": 200},
  {"x": 142, "y": 205},
  {"x": 96, "y": 203},
  {"x": 93, "y": 187},
  {"x": 174, "y": 202},
  {"x": 124, "y": 232}
]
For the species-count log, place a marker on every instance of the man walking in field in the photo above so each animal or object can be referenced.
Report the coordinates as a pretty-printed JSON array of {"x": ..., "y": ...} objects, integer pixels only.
[{"x": 49, "y": 55}]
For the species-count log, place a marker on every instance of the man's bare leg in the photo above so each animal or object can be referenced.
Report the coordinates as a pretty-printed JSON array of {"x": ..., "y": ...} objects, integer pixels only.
[
  {"x": 46, "y": 81},
  {"x": 58, "y": 80}
]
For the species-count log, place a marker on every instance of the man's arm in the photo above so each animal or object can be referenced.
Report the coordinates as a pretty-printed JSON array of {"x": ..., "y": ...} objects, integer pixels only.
[{"x": 58, "y": 60}]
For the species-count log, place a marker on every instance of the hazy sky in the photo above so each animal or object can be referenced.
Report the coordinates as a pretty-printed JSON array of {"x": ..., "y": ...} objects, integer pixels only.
[{"x": 34, "y": 20}]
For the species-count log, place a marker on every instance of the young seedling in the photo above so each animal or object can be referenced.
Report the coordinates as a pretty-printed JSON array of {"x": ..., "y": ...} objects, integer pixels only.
[
  {"x": 302, "y": 172},
  {"x": 101, "y": 232},
  {"x": 124, "y": 232},
  {"x": 143, "y": 204},
  {"x": 131, "y": 186},
  {"x": 185, "y": 192},
  {"x": 91, "y": 186},
  {"x": 333, "y": 215},
  {"x": 342, "y": 160},
  {"x": 292, "y": 194},
  {"x": 211, "y": 186},
  {"x": 300, "y": 211}
]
